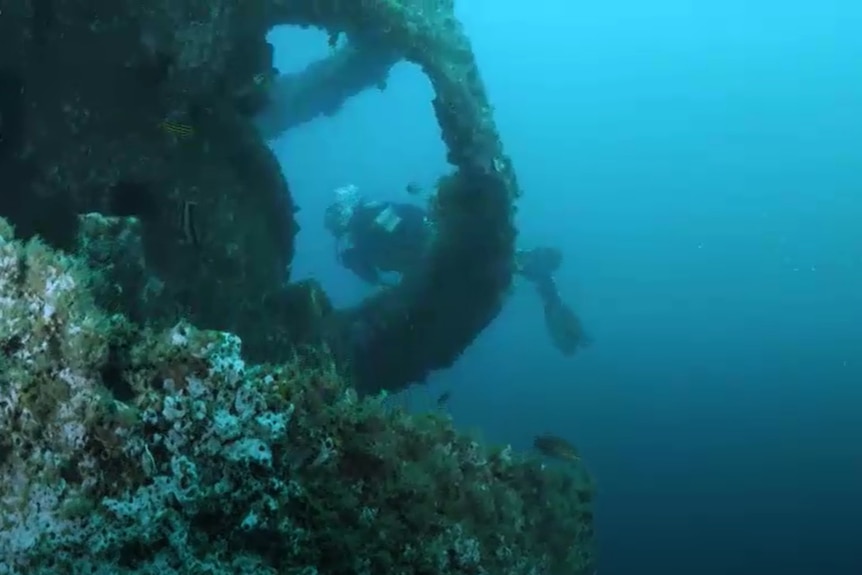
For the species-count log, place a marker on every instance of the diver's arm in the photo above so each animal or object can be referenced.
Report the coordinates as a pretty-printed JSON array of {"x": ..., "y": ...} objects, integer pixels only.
[{"x": 352, "y": 259}]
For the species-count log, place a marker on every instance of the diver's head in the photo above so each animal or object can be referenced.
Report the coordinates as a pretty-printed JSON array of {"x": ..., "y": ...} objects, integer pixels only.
[{"x": 340, "y": 211}]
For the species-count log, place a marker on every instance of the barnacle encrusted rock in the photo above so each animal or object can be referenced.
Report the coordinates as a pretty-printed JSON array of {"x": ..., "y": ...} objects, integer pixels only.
[{"x": 129, "y": 451}]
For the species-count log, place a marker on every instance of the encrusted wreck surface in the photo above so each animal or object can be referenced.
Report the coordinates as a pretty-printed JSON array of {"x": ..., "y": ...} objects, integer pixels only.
[
  {"x": 128, "y": 109},
  {"x": 130, "y": 451}
]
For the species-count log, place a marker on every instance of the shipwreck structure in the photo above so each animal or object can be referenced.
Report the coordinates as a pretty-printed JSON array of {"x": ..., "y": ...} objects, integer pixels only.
[
  {"x": 143, "y": 110},
  {"x": 143, "y": 220}
]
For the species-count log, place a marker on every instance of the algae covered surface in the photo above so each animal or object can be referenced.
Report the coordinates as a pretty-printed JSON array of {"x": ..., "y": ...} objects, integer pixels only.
[{"x": 127, "y": 450}]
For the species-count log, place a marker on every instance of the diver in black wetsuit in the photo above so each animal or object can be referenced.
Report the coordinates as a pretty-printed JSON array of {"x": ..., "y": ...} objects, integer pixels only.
[{"x": 374, "y": 238}]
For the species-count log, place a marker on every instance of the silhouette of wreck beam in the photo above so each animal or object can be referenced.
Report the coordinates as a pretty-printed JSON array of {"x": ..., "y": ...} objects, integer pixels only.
[{"x": 323, "y": 87}]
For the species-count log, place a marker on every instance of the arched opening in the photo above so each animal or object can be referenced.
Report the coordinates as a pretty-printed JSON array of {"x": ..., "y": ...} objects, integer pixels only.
[
  {"x": 383, "y": 138},
  {"x": 425, "y": 321}
]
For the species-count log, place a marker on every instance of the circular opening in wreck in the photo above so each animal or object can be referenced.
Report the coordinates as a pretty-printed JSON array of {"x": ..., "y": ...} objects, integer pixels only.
[{"x": 377, "y": 132}]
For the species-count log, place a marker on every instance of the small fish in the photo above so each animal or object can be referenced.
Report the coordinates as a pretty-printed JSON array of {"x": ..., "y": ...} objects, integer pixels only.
[
  {"x": 556, "y": 447},
  {"x": 413, "y": 189},
  {"x": 443, "y": 398},
  {"x": 178, "y": 129},
  {"x": 186, "y": 222}
]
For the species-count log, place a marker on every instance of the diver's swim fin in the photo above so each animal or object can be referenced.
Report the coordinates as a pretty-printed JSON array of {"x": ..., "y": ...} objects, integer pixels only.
[{"x": 565, "y": 328}]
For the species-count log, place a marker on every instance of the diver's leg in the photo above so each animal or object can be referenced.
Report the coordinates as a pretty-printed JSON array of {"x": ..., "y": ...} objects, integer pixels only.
[
  {"x": 562, "y": 323},
  {"x": 537, "y": 263}
]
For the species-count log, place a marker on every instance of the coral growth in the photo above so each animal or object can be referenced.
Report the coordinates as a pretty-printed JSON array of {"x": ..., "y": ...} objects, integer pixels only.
[{"x": 131, "y": 451}]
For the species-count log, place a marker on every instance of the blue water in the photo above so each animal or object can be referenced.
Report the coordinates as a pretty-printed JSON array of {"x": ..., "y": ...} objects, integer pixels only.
[{"x": 698, "y": 163}]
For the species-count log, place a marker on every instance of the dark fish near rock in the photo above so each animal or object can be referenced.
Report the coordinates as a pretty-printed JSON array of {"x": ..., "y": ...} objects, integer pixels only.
[
  {"x": 443, "y": 398},
  {"x": 413, "y": 189},
  {"x": 556, "y": 447}
]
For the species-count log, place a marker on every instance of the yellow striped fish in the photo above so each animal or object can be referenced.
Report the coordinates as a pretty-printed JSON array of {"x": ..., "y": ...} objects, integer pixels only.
[{"x": 178, "y": 129}]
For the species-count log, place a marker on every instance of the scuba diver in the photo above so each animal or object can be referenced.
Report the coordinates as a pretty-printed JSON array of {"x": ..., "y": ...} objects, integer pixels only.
[{"x": 374, "y": 238}]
